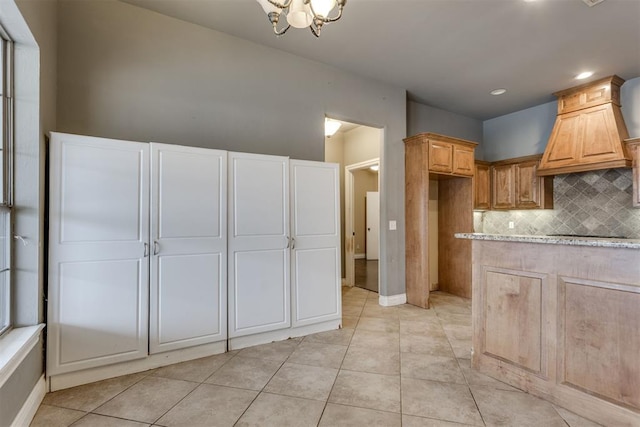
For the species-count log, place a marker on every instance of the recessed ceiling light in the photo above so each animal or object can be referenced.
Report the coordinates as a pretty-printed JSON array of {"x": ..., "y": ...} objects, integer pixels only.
[
  {"x": 584, "y": 75},
  {"x": 498, "y": 91}
]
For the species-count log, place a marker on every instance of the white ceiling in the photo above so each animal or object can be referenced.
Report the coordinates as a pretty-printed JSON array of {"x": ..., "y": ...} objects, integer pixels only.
[{"x": 450, "y": 53}]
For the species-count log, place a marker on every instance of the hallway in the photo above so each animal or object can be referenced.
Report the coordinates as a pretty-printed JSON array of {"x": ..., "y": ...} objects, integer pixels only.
[{"x": 366, "y": 276}]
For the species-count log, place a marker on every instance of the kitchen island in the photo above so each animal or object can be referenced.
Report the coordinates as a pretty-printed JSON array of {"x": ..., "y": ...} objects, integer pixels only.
[{"x": 559, "y": 317}]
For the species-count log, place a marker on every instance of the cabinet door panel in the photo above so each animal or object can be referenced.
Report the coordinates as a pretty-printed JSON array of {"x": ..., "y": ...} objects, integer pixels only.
[
  {"x": 315, "y": 277},
  {"x": 502, "y": 183},
  {"x": 259, "y": 294},
  {"x": 98, "y": 237},
  {"x": 440, "y": 157},
  {"x": 188, "y": 301},
  {"x": 99, "y": 304},
  {"x": 482, "y": 187},
  {"x": 527, "y": 185},
  {"x": 261, "y": 291},
  {"x": 188, "y": 263},
  {"x": 463, "y": 161}
]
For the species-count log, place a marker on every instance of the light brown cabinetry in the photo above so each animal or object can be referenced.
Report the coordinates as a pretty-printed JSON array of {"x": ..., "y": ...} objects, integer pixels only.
[
  {"x": 450, "y": 161},
  {"x": 450, "y": 155},
  {"x": 561, "y": 322},
  {"x": 516, "y": 185},
  {"x": 633, "y": 145},
  {"x": 482, "y": 186},
  {"x": 588, "y": 131}
]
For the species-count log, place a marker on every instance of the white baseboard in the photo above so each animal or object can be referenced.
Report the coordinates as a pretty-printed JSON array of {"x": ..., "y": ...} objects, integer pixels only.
[
  {"x": 359, "y": 256},
  {"x": 238, "y": 343},
  {"x": 392, "y": 300},
  {"x": 31, "y": 405},
  {"x": 153, "y": 361}
]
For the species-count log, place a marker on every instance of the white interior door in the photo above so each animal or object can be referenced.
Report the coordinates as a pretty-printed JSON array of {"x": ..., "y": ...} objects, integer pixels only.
[
  {"x": 315, "y": 246},
  {"x": 189, "y": 246},
  {"x": 98, "y": 247},
  {"x": 259, "y": 294},
  {"x": 373, "y": 225}
]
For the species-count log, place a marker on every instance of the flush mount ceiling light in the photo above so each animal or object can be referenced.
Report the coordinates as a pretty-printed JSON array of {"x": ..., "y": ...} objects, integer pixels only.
[
  {"x": 302, "y": 13},
  {"x": 584, "y": 75},
  {"x": 331, "y": 127},
  {"x": 375, "y": 168},
  {"x": 497, "y": 92}
]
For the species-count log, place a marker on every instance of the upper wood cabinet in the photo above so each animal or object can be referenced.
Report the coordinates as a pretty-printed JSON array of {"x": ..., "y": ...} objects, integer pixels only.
[
  {"x": 447, "y": 155},
  {"x": 634, "y": 149},
  {"x": 516, "y": 185},
  {"x": 482, "y": 186}
]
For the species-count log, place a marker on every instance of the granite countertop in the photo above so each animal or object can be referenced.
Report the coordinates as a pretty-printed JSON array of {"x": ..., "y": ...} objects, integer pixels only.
[{"x": 556, "y": 240}]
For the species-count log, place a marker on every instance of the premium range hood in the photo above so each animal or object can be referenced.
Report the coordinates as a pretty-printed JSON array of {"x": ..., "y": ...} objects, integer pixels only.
[{"x": 589, "y": 130}]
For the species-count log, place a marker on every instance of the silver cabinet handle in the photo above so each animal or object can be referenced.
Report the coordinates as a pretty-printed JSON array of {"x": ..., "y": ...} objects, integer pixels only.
[
  {"x": 156, "y": 247},
  {"x": 288, "y": 242},
  {"x": 146, "y": 249},
  {"x": 293, "y": 243}
]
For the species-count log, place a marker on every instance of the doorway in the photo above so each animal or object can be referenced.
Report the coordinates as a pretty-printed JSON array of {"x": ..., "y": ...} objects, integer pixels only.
[{"x": 357, "y": 149}]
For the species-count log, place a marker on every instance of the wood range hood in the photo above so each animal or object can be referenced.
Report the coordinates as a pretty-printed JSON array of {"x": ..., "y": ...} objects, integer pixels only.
[{"x": 589, "y": 131}]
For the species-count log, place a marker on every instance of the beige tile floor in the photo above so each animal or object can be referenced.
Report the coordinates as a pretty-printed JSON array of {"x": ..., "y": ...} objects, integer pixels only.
[{"x": 388, "y": 366}]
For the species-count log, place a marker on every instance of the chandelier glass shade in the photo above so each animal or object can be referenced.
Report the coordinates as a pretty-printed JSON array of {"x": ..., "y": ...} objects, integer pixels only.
[{"x": 302, "y": 13}]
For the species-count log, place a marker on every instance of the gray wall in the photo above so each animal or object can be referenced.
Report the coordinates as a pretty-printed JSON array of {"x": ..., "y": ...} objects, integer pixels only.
[
  {"x": 526, "y": 132},
  {"x": 125, "y": 72},
  {"x": 423, "y": 118},
  {"x": 18, "y": 386},
  {"x": 32, "y": 25}
]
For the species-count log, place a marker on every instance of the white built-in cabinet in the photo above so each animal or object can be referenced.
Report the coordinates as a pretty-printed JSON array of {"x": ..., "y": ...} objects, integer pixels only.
[
  {"x": 315, "y": 242},
  {"x": 188, "y": 247},
  {"x": 160, "y": 253},
  {"x": 284, "y": 246},
  {"x": 98, "y": 288},
  {"x": 259, "y": 242}
]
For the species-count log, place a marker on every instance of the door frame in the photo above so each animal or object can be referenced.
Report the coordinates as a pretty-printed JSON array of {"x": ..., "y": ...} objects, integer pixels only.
[{"x": 349, "y": 201}]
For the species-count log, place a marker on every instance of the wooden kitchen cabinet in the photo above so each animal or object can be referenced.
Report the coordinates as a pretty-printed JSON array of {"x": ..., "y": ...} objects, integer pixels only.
[
  {"x": 450, "y": 161},
  {"x": 633, "y": 145},
  {"x": 482, "y": 186},
  {"x": 450, "y": 155},
  {"x": 560, "y": 322},
  {"x": 516, "y": 185}
]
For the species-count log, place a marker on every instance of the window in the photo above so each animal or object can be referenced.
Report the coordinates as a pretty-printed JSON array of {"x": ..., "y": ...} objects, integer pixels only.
[{"x": 6, "y": 184}]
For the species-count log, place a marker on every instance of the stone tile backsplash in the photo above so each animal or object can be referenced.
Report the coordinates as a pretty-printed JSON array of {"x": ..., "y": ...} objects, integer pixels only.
[{"x": 589, "y": 203}]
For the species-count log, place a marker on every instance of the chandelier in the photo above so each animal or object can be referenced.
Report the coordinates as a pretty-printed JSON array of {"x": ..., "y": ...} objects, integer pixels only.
[{"x": 302, "y": 13}]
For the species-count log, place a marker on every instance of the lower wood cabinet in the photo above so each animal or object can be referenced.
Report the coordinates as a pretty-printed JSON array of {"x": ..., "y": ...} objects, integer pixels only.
[
  {"x": 156, "y": 251},
  {"x": 561, "y": 322}
]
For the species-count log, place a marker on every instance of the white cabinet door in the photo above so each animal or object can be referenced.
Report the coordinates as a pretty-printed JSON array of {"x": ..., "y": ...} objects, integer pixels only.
[
  {"x": 258, "y": 244},
  {"x": 98, "y": 246},
  {"x": 315, "y": 229},
  {"x": 189, "y": 243}
]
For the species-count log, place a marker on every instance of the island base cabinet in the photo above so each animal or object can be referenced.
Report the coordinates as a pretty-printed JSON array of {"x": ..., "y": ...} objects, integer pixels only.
[{"x": 562, "y": 323}]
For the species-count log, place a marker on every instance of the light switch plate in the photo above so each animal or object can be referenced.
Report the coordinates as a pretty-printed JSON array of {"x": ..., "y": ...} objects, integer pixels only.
[{"x": 392, "y": 225}]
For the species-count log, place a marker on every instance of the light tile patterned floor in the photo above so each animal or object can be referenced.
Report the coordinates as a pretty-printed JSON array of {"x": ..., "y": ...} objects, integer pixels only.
[{"x": 388, "y": 366}]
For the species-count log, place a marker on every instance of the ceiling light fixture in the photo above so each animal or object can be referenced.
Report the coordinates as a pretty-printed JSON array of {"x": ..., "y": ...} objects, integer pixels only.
[
  {"x": 375, "y": 168},
  {"x": 331, "y": 127},
  {"x": 301, "y": 13},
  {"x": 584, "y": 75},
  {"x": 497, "y": 92}
]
